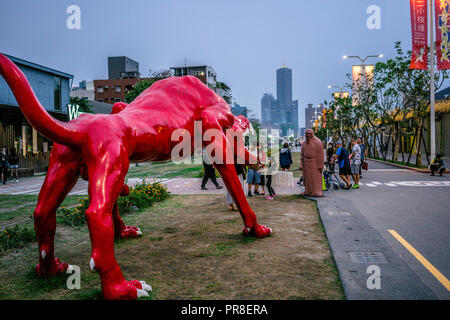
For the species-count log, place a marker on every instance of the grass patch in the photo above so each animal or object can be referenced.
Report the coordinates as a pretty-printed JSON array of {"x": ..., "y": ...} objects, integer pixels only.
[
  {"x": 199, "y": 258},
  {"x": 164, "y": 170}
]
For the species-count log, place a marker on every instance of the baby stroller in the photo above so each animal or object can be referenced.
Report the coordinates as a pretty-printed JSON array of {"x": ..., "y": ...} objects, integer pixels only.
[{"x": 331, "y": 179}]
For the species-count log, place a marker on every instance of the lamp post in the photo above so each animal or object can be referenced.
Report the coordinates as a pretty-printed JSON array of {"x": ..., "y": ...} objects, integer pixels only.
[
  {"x": 341, "y": 89},
  {"x": 432, "y": 89},
  {"x": 363, "y": 62}
]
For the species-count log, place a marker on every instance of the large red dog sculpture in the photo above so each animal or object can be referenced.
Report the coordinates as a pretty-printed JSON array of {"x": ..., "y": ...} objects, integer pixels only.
[{"x": 100, "y": 147}]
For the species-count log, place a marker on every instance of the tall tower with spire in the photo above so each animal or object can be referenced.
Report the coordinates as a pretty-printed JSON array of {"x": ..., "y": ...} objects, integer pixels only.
[
  {"x": 284, "y": 85},
  {"x": 282, "y": 112}
]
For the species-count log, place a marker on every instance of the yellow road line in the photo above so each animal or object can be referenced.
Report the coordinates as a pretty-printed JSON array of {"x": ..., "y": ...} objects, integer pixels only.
[{"x": 435, "y": 272}]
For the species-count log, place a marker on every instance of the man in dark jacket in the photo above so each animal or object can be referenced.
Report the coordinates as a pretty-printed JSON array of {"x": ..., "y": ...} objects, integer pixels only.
[
  {"x": 285, "y": 157},
  {"x": 4, "y": 164}
]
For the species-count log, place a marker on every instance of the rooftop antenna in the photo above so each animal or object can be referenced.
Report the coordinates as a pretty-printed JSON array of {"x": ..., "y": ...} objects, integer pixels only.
[{"x": 185, "y": 62}]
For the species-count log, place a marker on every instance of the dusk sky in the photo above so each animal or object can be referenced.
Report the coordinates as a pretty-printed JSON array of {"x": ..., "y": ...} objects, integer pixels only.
[{"x": 245, "y": 41}]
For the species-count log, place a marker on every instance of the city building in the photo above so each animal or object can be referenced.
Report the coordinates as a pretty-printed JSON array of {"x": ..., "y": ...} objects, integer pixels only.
[
  {"x": 283, "y": 111},
  {"x": 312, "y": 114},
  {"x": 239, "y": 110},
  {"x": 208, "y": 76},
  {"x": 52, "y": 89},
  {"x": 205, "y": 73},
  {"x": 267, "y": 103},
  {"x": 123, "y": 74},
  {"x": 114, "y": 90},
  {"x": 122, "y": 67},
  {"x": 85, "y": 90}
]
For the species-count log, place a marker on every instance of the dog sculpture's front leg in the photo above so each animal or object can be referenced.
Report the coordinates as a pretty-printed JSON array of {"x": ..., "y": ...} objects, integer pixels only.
[{"x": 231, "y": 180}]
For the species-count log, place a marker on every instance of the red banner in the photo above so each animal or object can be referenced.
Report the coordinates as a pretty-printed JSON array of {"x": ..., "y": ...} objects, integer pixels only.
[
  {"x": 419, "y": 28},
  {"x": 442, "y": 10}
]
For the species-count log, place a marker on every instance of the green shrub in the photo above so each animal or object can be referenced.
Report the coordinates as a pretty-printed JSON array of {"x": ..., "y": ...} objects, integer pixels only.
[
  {"x": 16, "y": 236},
  {"x": 73, "y": 217},
  {"x": 141, "y": 196}
]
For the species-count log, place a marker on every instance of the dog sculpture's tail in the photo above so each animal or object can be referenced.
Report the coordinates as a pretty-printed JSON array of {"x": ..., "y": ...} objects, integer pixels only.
[{"x": 34, "y": 112}]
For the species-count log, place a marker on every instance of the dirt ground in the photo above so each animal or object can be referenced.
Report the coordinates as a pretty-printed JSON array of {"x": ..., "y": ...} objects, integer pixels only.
[{"x": 193, "y": 248}]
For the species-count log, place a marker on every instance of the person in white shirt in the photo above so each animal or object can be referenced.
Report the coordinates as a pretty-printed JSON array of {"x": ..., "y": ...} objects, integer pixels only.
[{"x": 355, "y": 162}]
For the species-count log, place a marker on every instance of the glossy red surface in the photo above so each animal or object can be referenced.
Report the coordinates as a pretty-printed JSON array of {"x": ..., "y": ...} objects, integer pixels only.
[{"x": 100, "y": 147}]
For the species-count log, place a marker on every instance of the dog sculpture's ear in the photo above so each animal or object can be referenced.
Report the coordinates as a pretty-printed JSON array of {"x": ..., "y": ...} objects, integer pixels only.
[{"x": 118, "y": 107}]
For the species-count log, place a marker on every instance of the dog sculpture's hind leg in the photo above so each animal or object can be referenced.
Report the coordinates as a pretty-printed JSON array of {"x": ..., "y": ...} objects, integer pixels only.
[{"x": 63, "y": 172}]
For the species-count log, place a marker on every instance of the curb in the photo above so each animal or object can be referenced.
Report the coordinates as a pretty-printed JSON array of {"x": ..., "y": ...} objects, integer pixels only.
[{"x": 405, "y": 167}]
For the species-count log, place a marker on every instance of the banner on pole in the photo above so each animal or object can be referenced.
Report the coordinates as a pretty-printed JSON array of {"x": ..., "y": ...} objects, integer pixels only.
[
  {"x": 442, "y": 12},
  {"x": 419, "y": 28}
]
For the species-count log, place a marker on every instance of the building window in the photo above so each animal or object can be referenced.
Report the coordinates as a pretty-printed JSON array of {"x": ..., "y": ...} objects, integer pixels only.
[
  {"x": 100, "y": 100},
  {"x": 57, "y": 93},
  {"x": 117, "y": 100},
  {"x": 100, "y": 89},
  {"x": 118, "y": 88}
]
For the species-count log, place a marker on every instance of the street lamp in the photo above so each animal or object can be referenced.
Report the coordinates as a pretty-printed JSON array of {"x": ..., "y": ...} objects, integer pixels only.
[{"x": 363, "y": 62}]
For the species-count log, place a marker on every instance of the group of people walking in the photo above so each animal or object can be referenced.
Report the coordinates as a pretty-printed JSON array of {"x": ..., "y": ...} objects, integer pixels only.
[
  {"x": 350, "y": 161},
  {"x": 9, "y": 160},
  {"x": 258, "y": 176}
]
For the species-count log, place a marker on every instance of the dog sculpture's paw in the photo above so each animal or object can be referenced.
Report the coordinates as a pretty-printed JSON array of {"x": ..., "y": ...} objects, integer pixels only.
[
  {"x": 127, "y": 290},
  {"x": 51, "y": 268},
  {"x": 130, "y": 232},
  {"x": 259, "y": 231}
]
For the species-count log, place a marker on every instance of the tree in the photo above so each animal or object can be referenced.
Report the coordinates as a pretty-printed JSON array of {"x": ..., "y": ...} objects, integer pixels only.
[
  {"x": 140, "y": 86},
  {"x": 83, "y": 104},
  {"x": 404, "y": 97}
]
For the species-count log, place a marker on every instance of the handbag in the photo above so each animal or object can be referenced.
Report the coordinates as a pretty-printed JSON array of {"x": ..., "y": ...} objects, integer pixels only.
[{"x": 365, "y": 166}]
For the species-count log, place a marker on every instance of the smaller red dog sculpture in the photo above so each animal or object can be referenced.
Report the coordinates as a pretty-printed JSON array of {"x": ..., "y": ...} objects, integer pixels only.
[{"x": 100, "y": 147}]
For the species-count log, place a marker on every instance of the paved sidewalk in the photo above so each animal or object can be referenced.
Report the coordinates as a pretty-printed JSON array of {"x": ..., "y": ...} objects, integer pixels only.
[{"x": 193, "y": 186}]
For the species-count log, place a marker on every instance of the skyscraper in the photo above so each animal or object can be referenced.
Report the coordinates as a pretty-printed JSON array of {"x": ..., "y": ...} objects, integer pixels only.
[
  {"x": 312, "y": 114},
  {"x": 267, "y": 103},
  {"x": 281, "y": 113},
  {"x": 284, "y": 85}
]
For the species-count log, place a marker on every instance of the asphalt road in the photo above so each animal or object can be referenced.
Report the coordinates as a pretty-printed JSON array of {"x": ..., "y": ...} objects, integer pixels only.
[{"x": 416, "y": 207}]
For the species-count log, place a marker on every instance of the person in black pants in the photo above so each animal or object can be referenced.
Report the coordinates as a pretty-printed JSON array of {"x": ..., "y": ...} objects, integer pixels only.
[
  {"x": 268, "y": 174},
  {"x": 4, "y": 164},
  {"x": 210, "y": 173}
]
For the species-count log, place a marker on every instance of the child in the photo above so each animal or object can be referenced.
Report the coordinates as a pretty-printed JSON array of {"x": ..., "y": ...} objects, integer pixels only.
[{"x": 268, "y": 173}]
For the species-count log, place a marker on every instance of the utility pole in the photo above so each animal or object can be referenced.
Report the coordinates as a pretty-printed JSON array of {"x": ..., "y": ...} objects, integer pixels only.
[{"x": 432, "y": 88}]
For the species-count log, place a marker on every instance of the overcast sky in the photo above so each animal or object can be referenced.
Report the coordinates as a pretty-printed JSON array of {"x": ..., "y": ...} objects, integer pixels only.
[{"x": 245, "y": 41}]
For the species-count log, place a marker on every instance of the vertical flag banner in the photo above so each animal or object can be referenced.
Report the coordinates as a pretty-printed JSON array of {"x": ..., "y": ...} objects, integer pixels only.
[
  {"x": 442, "y": 12},
  {"x": 419, "y": 28}
]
